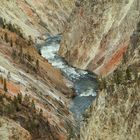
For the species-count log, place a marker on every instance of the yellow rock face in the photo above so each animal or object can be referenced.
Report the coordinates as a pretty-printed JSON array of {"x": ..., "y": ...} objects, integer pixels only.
[
  {"x": 98, "y": 34},
  {"x": 115, "y": 115}
]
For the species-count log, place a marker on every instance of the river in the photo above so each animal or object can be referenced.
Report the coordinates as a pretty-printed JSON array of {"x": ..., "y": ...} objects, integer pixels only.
[{"x": 84, "y": 82}]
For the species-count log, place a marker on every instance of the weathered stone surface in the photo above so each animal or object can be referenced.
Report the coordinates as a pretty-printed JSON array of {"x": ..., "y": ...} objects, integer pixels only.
[
  {"x": 36, "y": 17},
  {"x": 98, "y": 34},
  {"x": 10, "y": 130},
  {"x": 115, "y": 115}
]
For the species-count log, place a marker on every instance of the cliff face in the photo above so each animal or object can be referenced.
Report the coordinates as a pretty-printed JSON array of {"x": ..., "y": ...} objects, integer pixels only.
[
  {"x": 6, "y": 125},
  {"x": 98, "y": 34},
  {"x": 37, "y": 16},
  {"x": 115, "y": 115},
  {"x": 32, "y": 92},
  {"x": 96, "y": 38}
]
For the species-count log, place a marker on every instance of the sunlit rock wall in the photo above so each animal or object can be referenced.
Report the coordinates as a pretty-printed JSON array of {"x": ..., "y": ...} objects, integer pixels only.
[
  {"x": 98, "y": 33},
  {"x": 36, "y": 17},
  {"x": 115, "y": 114}
]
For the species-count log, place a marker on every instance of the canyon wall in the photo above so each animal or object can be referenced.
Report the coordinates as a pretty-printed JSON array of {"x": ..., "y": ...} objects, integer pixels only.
[
  {"x": 98, "y": 34},
  {"x": 96, "y": 38},
  {"x": 37, "y": 17},
  {"x": 115, "y": 115},
  {"x": 33, "y": 93}
]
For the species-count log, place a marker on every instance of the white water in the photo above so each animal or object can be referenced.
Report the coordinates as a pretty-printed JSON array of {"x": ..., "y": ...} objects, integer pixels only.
[
  {"x": 88, "y": 92},
  {"x": 84, "y": 83},
  {"x": 50, "y": 53}
]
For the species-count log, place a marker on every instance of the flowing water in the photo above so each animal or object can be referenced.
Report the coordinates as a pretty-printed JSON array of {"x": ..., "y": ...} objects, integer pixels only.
[{"x": 84, "y": 83}]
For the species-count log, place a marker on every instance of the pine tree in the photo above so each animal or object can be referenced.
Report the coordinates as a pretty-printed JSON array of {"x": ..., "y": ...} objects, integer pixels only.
[
  {"x": 37, "y": 65},
  {"x": 118, "y": 76},
  {"x": 102, "y": 84},
  {"x": 2, "y": 22},
  {"x": 1, "y": 79},
  {"x": 138, "y": 27},
  {"x": 19, "y": 98},
  {"x": 8, "y": 75},
  {"x": 124, "y": 58},
  {"x": 5, "y": 85},
  {"x": 11, "y": 43},
  {"x": 14, "y": 55},
  {"x": 6, "y": 38},
  {"x": 15, "y": 102},
  {"x": 33, "y": 105},
  {"x": 21, "y": 54},
  {"x": 41, "y": 113},
  {"x": 128, "y": 74},
  {"x": 29, "y": 58},
  {"x": 10, "y": 27},
  {"x": 30, "y": 42},
  {"x": 26, "y": 99},
  {"x": 135, "y": 72}
]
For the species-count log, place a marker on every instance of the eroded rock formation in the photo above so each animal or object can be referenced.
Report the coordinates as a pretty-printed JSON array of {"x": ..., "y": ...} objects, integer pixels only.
[
  {"x": 37, "y": 17},
  {"x": 98, "y": 34},
  {"x": 32, "y": 92},
  {"x": 115, "y": 115}
]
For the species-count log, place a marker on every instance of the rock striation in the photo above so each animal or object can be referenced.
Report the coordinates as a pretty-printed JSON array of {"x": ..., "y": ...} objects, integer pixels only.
[
  {"x": 98, "y": 34},
  {"x": 37, "y": 17},
  {"x": 115, "y": 115}
]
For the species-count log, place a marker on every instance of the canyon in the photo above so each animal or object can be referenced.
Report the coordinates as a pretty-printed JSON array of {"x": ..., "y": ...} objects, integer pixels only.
[
  {"x": 99, "y": 33},
  {"x": 69, "y": 70}
]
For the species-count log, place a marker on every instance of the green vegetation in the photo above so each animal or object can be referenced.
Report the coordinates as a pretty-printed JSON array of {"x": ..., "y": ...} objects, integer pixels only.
[
  {"x": 138, "y": 27},
  {"x": 6, "y": 37},
  {"x": 102, "y": 83},
  {"x": 128, "y": 74},
  {"x": 37, "y": 65},
  {"x": 11, "y": 27},
  {"x": 11, "y": 43},
  {"x": 14, "y": 53},
  {"x": 26, "y": 59},
  {"x": 5, "y": 85},
  {"x": 118, "y": 76},
  {"x": 24, "y": 111},
  {"x": 2, "y": 22},
  {"x": 18, "y": 43},
  {"x": 1, "y": 79},
  {"x": 30, "y": 41}
]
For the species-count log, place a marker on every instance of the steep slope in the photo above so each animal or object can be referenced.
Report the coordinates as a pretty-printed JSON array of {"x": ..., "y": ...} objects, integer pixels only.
[
  {"x": 98, "y": 34},
  {"x": 37, "y": 17},
  {"x": 115, "y": 115},
  {"x": 9, "y": 130},
  {"x": 95, "y": 37},
  {"x": 32, "y": 92}
]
